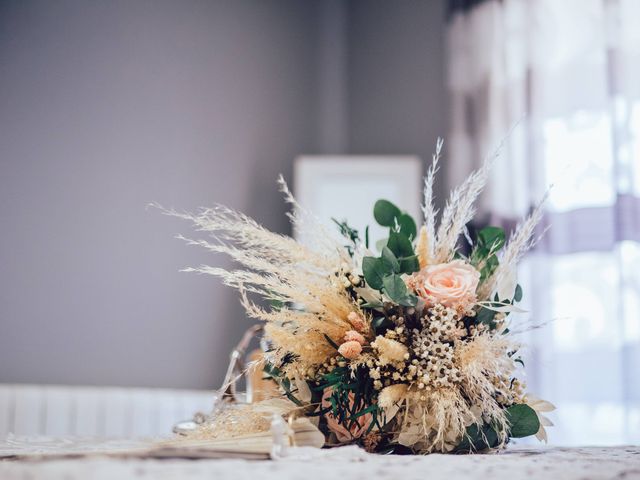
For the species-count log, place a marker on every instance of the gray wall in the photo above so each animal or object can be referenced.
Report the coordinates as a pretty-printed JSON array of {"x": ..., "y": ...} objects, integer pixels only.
[
  {"x": 108, "y": 105},
  {"x": 397, "y": 97},
  {"x": 105, "y": 106}
]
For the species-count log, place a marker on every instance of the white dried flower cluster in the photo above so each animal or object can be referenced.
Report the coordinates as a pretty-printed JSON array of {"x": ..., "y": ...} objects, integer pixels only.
[
  {"x": 508, "y": 390},
  {"x": 428, "y": 362},
  {"x": 346, "y": 277},
  {"x": 390, "y": 363},
  {"x": 433, "y": 348}
]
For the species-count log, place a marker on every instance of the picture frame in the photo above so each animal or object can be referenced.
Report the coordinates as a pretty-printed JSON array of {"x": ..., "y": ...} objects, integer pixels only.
[{"x": 344, "y": 187}]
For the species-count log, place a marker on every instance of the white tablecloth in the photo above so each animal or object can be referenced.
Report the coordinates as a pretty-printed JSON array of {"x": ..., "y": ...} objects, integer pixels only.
[{"x": 350, "y": 463}]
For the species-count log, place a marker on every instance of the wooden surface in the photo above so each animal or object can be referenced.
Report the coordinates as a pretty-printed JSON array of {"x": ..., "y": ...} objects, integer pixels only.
[{"x": 351, "y": 463}]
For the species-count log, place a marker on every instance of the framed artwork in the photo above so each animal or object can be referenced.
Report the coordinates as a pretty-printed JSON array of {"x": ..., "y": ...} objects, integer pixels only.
[{"x": 345, "y": 187}]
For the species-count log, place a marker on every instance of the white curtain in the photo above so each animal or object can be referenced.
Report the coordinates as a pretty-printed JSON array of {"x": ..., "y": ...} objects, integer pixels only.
[{"x": 561, "y": 80}]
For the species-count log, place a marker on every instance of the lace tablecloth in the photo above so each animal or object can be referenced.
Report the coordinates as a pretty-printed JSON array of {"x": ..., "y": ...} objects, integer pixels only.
[{"x": 345, "y": 463}]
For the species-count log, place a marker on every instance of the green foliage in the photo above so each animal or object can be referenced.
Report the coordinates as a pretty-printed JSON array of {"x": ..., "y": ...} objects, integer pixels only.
[
  {"x": 478, "y": 438},
  {"x": 409, "y": 264},
  {"x": 390, "y": 261},
  {"x": 491, "y": 238},
  {"x": 486, "y": 316},
  {"x": 517, "y": 295},
  {"x": 381, "y": 243},
  {"x": 400, "y": 245},
  {"x": 407, "y": 226},
  {"x": 395, "y": 288},
  {"x": 386, "y": 213},
  {"x": 275, "y": 374},
  {"x": 383, "y": 274},
  {"x": 342, "y": 382},
  {"x": 351, "y": 234},
  {"x": 489, "y": 241},
  {"x": 276, "y": 304},
  {"x": 374, "y": 270},
  {"x": 523, "y": 421},
  {"x": 398, "y": 257},
  {"x": 374, "y": 304}
]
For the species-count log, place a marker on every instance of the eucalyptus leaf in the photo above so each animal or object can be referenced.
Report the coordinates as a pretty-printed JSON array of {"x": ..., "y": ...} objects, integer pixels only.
[
  {"x": 380, "y": 244},
  {"x": 374, "y": 272},
  {"x": 523, "y": 421},
  {"x": 517, "y": 296},
  {"x": 407, "y": 226},
  {"x": 486, "y": 316},
  {"x": 409, "y": 300},
  {"x": 396, "y": 290},
  {"x": 409, "y": 264},
  {"x": 400, "y": 245},
  {"x": 394, "y": 287},
  {"x": 386, "y": 213},
  {"x": 478, "y": 438},
  {"x": 390, "y": 260}
]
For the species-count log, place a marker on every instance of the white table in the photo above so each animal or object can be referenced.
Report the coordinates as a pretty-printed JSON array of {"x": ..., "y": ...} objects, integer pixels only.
[{"x": 350, "y": 463}]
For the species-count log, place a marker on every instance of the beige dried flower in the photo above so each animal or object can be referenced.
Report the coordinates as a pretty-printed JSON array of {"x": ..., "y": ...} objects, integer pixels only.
[
  {"x": 389, "y": 351},
  {"x": 392, "y": 395},
  {"x": 422, "y": 247},
  {"x": 370, "y": 441}
]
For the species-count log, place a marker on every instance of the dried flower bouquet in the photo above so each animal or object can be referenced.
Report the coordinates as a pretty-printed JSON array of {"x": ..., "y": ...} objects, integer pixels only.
[{"x": 408, "y": 350}]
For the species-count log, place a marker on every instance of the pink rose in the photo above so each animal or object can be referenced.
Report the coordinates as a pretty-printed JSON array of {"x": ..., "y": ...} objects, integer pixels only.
[
  {"x": 360, "y": 425},
  {"x": 451, "y": 284}
]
